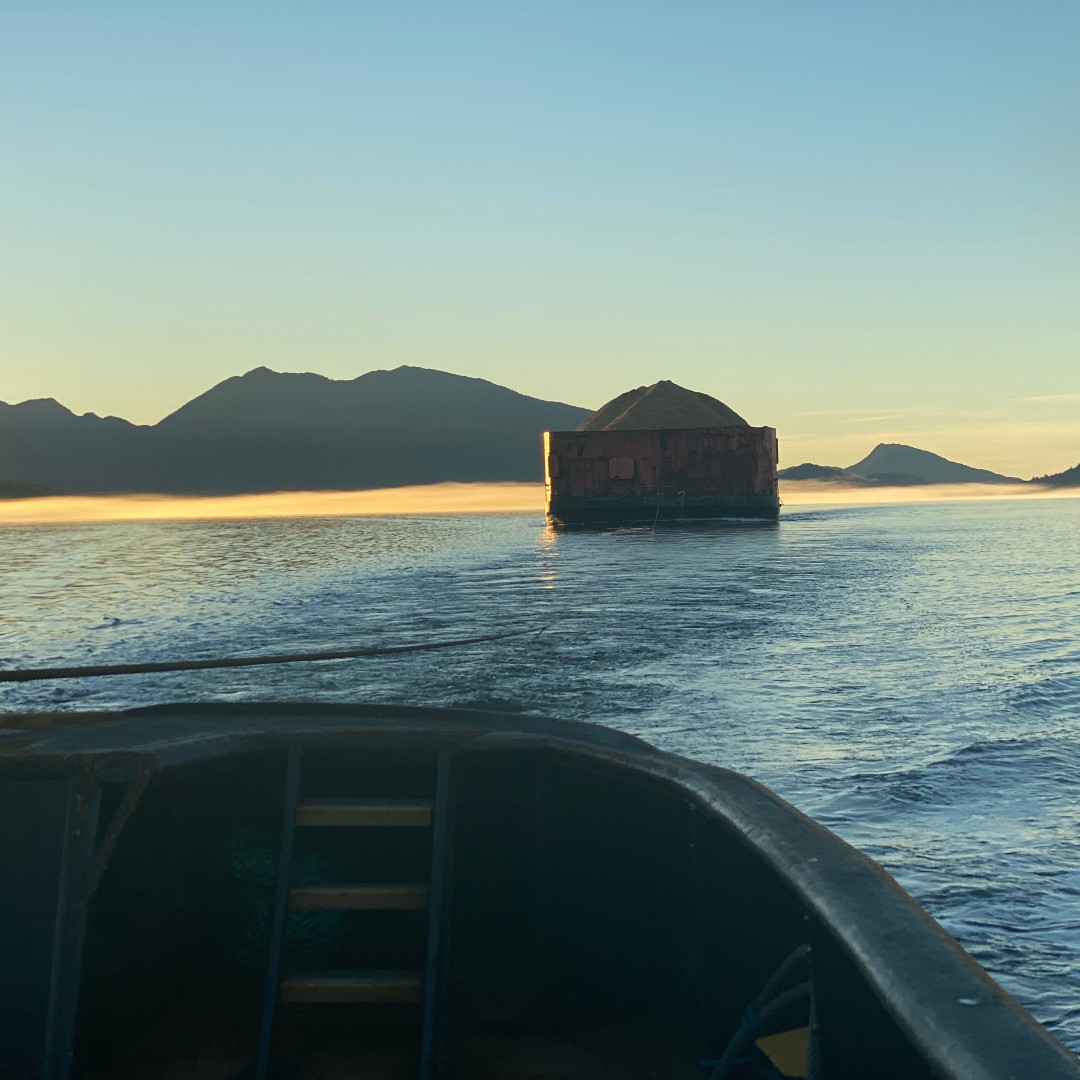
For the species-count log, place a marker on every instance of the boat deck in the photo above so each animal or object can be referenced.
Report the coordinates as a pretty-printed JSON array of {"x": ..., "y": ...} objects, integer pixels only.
[{"x": 464, "y": 894}]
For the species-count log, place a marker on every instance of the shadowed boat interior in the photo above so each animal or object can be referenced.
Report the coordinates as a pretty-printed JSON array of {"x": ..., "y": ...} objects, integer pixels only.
[{"x": 596, "y": 924}]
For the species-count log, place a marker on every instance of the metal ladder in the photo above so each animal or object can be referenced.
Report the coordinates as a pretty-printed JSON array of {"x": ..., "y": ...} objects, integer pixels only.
[{"x": 360, "y": 986}]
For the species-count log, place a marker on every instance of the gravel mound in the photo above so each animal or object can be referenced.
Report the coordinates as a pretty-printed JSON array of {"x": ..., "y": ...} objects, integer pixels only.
[{"x": 664, "y": 405}]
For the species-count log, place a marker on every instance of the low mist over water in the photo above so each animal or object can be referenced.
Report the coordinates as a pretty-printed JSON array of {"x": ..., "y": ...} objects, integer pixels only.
[
  {"x": 447, "y": 498},
  {"x": 909, "y": 674}
]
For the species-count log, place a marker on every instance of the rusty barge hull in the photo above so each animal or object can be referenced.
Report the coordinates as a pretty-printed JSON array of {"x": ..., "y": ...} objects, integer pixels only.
[
  {"x": 612, "y": 513},
  {"x": 597, "y": 479}
]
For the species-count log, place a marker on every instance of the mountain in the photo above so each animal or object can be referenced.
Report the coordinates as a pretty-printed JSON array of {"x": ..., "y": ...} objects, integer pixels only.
[
  {"x": 896, "y": 465},
  {"x": 808, "y": 471},
  {"x": 924, "y": 466},
  {"x": 268, "y": 431},
  {"x": 24, "y": 491},
  {"x": 1068, "y": 478},
  {"x": 42, "y": 443},
  {"x": 834, "y": 474}
]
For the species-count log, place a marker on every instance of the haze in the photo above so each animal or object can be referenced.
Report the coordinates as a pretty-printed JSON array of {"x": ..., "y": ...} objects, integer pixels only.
[
  {"x": 435, "y": 499},
  {"x": 856, "y": 223},
  {"x": 419, "y": 499}
]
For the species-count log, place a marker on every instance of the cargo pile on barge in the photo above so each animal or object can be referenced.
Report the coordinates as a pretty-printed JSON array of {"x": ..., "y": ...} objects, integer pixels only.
[{"x": 661, "y": 453}]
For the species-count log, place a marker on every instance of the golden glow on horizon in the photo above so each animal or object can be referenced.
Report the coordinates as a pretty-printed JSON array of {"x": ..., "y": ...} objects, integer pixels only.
[
  {"x": 423, "y": 499},
  {"x": 447, "y": 498},
  {"x": 819, "y": 493}
]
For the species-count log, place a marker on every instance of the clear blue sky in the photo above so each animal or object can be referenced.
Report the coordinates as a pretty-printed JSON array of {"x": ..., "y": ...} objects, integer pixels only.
[{"x": 852, "y": 220}]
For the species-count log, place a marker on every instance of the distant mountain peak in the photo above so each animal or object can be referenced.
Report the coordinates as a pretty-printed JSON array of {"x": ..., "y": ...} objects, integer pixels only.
[
  {"x": 42, "y": 408},
  {"x": 897, "y": 458},
  {"x": 265, "y": 374},
  {"x": 898, "y": 465},
  {"x": 1066, "y": 478}
]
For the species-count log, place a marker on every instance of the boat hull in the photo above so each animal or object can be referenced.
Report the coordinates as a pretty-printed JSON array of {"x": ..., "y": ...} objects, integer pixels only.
[{"x": 590, "y": 899}]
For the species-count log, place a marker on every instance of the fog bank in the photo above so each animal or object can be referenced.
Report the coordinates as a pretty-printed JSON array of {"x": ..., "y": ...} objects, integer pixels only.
[
  {"x": 447, "y": 498},
  {"x": 426, "y": 499},
  {"x": 795, "y": 493}
]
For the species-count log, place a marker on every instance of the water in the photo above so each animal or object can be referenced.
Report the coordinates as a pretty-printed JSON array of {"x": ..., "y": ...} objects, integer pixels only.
[{"x": 908, "y": 675}]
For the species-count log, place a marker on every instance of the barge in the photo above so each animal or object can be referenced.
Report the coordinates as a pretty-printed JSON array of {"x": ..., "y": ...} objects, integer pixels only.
[
  {"x": 661, "y": 454},
  {"x": 211, "y": 891}
]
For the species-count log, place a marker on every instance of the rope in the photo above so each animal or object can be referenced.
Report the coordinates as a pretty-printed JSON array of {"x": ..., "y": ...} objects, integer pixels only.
[
  {"x": 35, "y": 674},
  {"x": 752, "y": 1024},
  {"x": 781, "y": 973},
  {"x": 758, "y": 1015}
]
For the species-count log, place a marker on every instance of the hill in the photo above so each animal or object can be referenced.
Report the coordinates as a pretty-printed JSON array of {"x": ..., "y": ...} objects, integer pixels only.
[
  {"x": 1068, "y": 478},
  {"x": 43, "y": 443},
  {"x": 909, "y": 461},
  {"x": 809, "y": 471},
  {"x": 268, "y": 431},
  {"x": 834, "y": 474},
  {"x": 897, "y": 465},
  {"x": 24, "y": 491}
]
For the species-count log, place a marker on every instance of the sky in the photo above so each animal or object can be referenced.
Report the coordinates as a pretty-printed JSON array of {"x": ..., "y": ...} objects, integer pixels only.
[{"x": 855, "y": 222}]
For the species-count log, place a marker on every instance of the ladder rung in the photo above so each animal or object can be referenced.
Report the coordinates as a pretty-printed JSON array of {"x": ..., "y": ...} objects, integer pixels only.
[
  {"x": 360, "y": 897},
  {"x": 383, "y": 813},
  {"x": 353, "y": 987}
]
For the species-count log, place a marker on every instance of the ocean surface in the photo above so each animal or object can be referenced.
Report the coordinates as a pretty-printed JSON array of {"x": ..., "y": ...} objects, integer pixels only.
[{"x": 909, "y": 675}]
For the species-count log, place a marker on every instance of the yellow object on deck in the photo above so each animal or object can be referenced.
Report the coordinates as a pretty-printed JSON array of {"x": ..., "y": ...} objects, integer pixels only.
[{"x": 789, "y": 1051}]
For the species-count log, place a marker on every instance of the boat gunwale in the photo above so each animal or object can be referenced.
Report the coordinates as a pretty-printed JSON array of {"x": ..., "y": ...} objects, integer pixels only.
[{"x": 855, "y": 900}]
